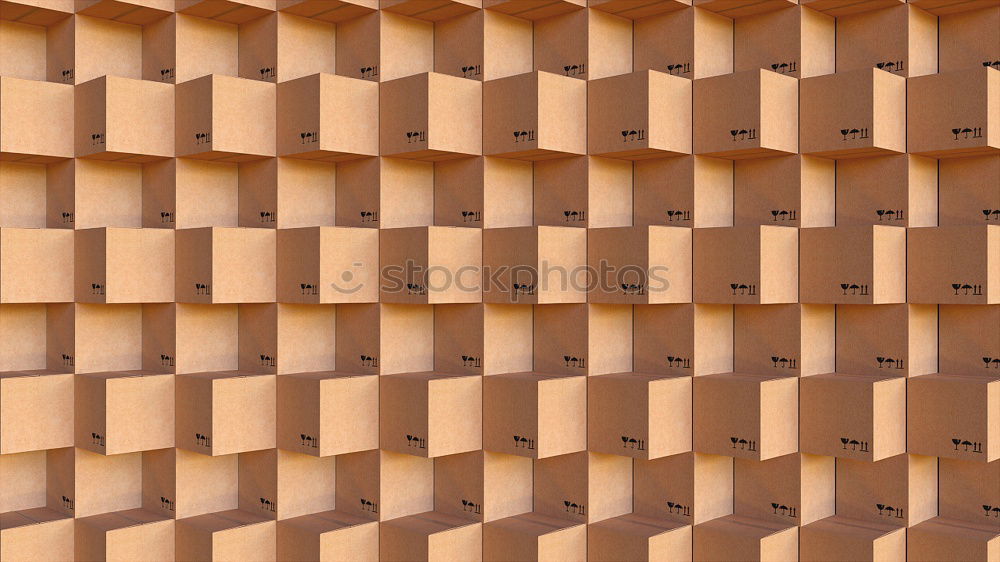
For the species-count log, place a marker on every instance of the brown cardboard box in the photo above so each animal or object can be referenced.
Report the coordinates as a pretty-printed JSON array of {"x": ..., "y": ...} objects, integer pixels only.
[
  {"x": 483, "y": 45},
  {"x": 691, "y": 43},
  {"x": 746, "y": 265},
  {"x": 488, "y": 339},
  {"x": 968, "y": 190},
  {"x": 280, "y": 47},
  {"x": 385, "y": 338},
  {"x": 36, "y": 410},
  {"x": 734, "y": 537},
  {"x": 179, "y": 483},
  {"x": 287, "y": 338},
  {"x": 532, "y": 536},
  {"x": 482, "y": 486},
  {"x": 328, "y": 535},
  {"x": 969, "y": 339},
  {"x": 36, "y": 534},
  {"x": 24, "y": 345},
  {"x": 223, "y": 413},
  {"x": 393, "y": 485},
  {"x": 430, "y": 265},
  {"x": 24, "y": 41},
  {"x": 966, "y": 488},
  {"x": 214, "y": 122},
  {"x": 797, "y": 488},
  {"x": 124, "y": 412},
  {"x": 839, "y": 8},
  {"x": 226, "y": 535},
  {"x": 853, "y": 416},
  {"x": 133, "y": 534},
  {"x": 330, "y": 118},
  {"x": 842, "y": 539},
  {"x": 90, "y": 193},
  {"x": 784, "y": 339},
  {"x": 656, "y": 421},
  {"x": 385, "y": 193},
  {"x": 327, "y": 413},
  {"x": 964, "y": 37},
  {"x": 745, "y": 115},
  {"x": 547, "y": 111},
  {"x": 278, "y": 484},
  {"x": 942, "y": 539},
  {"x": 746, "y": 416},
  {"x": 534, "y": 415},
  {"x": 853, "y": 114},
  {"x": 953, "y": 265},
  {"x": 23, "y": 198},
  {"x": 901, "y": 35},
  {"x": 91, "y": 47},
  {"x": 635, "y": 537},
  {"x": 286, "y": 193},
  {"x": 95, "y": 337},
  {"x": 792, "y": 40},
  {"x": 225, "y": 265},
  {"x": 738, "y": 8},
  {"x": 484, "y": 192},
  {"x": 124, "y": 119},
  {"x": 585, "y": 44},
  {"x": 593, "y": 339},
  {"x": 36, "y": 118},
  {"x": 683, "y": 339},
  {"x": 29, "y": 471},
  {"x": 430, "y": 116},
  {"x": 905, "y": 486},
  {"x": 137, "y": 263},
  {"x": 904, "y": 337},
  {"x": 637, "y": 11},
  {"x": 685, "y": 191},
  {"x": 544, "y": 264},
  {"x": 582, "y": 191},
  {"x": 430, "y": 536},
  {"x": 900, "y": 190},
  {"x": 852, "y": 265},
  {"x": 583, "y": 487},
  {"x": 640, "y": 265},
  {"x": 940, "y": 131},
  {"x": 92, "y": 483},
  {"x": 181, "y": 193},
  {"x": 382, "y": 46},
  {"x": 788, "y": 191},
  {"x": 655, "y": 120},
  {"x": 430, "y": 415},
  {"x": 182, "y": 47},
  {"x": 954, "y": 416},
  {"x": 686, "y": 489},
  {"x": 327, "y": 265},
  {"x": 190, "y": 338},
  {"x": 36, "y": 265}
]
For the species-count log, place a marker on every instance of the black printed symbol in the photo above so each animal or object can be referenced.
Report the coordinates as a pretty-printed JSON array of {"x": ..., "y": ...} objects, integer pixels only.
[
  {"x": 96, "y": 289},
  {"x": 416, "y": 136},
  {"x": 890, "y": 66},
  {"x": 684, "y": 510},
  {"x": 743, "y": 289},
  {"x": 575, "y": 216},
  {"x": 267, "y": 360},
  {"x": 97, "y": 439},
  {"x": 471, "y": 361},
  {"x": 166, "y": 74},
  {"x": 575, "y": 69},
  {"x": 203, "y": 440},
  {"x": 633, "y": 135},
  {"x": 523, "y": 442},
  {"x": 308, "y": 289},
  {"x": 369, "y": 216},
  {"x": 367, "y": 505},
  {"x": 167, "y": 504},
  {"x": 859, "y": 446},
  {"x": 524, "y": 136},
  {"x": 202, "y": 289},
  {"x": 471, "y": 70},
  {"x": 977, "y": 447},
  {"x": 268, "y": 72},
  {"x": 268, "y": 505},
  {"x": 202, "y": 138},
  {"x": 889, "y": 511},
  {"x": 743, "y": 134},
  {"x": 854, "y": 133},
  {"x": 68, "y": 217},
  {"x": 573, "y": 507},
  {"x": 166, "y": 216},
  {"x": 369, "y": 361},
  {"x": 97, "y": 138},
  {"x": 633, "y": 443},
  {"x": 67, "y": 503},
  {"x": 854, "y": 288},
  {"x": 166, "y": 360},
  {"x": 784, "y": 67},
  {"x": 469, "y": 505},
  {"x": 680, "y": 215},
  {"x": 681, "y": 68},
  {"x": 889, "y": 362},
  {"x": 745, "y": 444},
  {"x": 309, "y": 441},
  {"x": 414, "y": 441},
  {"x": 994, "y": 360},
  {"x": 68, "y": 361},
  {"x": 571, "y": 361},
  {"x": 472, "y": 216},
  {"x": 977, "y": 290},
  {"x": 67, "y": 75},
  {"x": 369, "y": 71},
  {"x": 309, "y": 137}
]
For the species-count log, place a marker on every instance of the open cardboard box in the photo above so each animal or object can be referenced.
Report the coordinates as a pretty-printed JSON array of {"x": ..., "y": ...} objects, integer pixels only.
[
  {"x": 853, "y": 265},
  {"x": 746, "y": 265},
  {"x": 692, "y": 191},
  {"x": 686, "y": 489},
  {"x": 683, "y": 339},
  {"x": 784, "y": 339},
  {"x": 792, "y": 190},
  {"x": 639, "y": 415}
]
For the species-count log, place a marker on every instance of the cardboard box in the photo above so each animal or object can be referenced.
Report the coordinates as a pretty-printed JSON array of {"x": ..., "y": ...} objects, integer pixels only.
[
  {"x": 430, "y": 536},
  {"x": 839, "y": 8},
  {"x": 385, "y": 193},
  {"x": 733, "y": 536},
  {"x": 839, "y": 538},
  {"x": 80, "y": 483},
  {"x": 640, "y": 265},
  {"x": 634, "y": 537},
  {"x": 82, "y": 48},
  {"x": 746, "y": 265},
  {"x": 737, "y": 8},
  {"x": 332, "y": 118},
  {"x": 746, "y": 416},
  {"x": 962, "y": 37},
  {"x": 430, "y": 116},
  {"x": 582, "y": 191},
  {"x": 215, "y": 122},
  {"x": 382, "y": 46},
  {"x": 487, "y": 339},
  {"x": 901, "y": 37},
  {"x": 297, "y": 46},
  {"x": 327, "y": 264},
  {"x": 683, "y": 339},
  {"x": 287, "y": 338},
  {"x": 25, "y": 43},
  {"x": 969, "y": 338},
  {"x": 792, "y": 40},
  {"x": 941, "y": 538},
  {"x": 953, "y": 125},
  {"x": 30, "y": 469},
  {"x": 137, "y": 263},
  {"x": 178, "y": 483},
  {"x": 124, "y": 119},
  {"x": 430, "y": 265},
  {"x": 797, "y": 488},
  {"x": 965, "y": 489},
  {"x": 286, "y": 193},
  {"x": 900, "y": 491},
  {"x": 483, "y": 486},
  {"x": 954, "y": 416},
  {"x": 531, "y": 11},
  {"x": 24, "y": 346},
  {"x": 483, "y": 192},
  {"x": 547, "y": 112},
  {"x": 853, "y": 114},
  {"x": 684, "y": 191},
  {"x": 182, "y": 193},
  {"x": 431, "y": 11},
  {"x": 483, "y": 45},
  {"x": 90, "y": 193},
  {"x": 853, "y": 264},
  {"x": 686, "y": 489},
  {"x": 36, "y": 265},
  {"x": 385, "y": 338},
  {"x": 888, "y": 340},
  {"x": 37, "y": 410},
  {"x": 37, "y": 533},
  {"x": 182, "y": 47},
  {"x": 583, "y": 487},
  {"x": 592, "y": 339},
  {"x": 329, "y": 10},
  {"x": 225, "y": 265},
  {"x": 968, "y": 193},
  {"x": 430, "y": 415},
  {"x": 970, "y": 255},
  {"x": 278, "y": 484},
  {"x": 225, "y": 412},
  {"x": 900, "y": 190},
  {"x": 691, "y": 43},
  {"x": 392, "y": 484},
  {"x": 784, "y": 339},
  {"x": 327, "y": 413},
  {"x": 226, "y": 535},
  {"x": 95, "y": 337},
  {"x": 124, "y": 412},
  {"x": 545, "y": 264},
  {"x": 745, "y": 115},
  {"x": 190, "y": 338},
  {"x": 656, "y": 421},
  {"x": 23, "y": 198},
  {"x": 853, "y": 416},
  {"x": 787, "y": 191},
  {"x": 532, "y": 536},
  {"x": 584, "y": 44},
  {"x": 134, "y": 534},
  {"x": 534, "y": 415},
  {"x": 328, "y": 535},
  {"x": 36, "y": 118}
]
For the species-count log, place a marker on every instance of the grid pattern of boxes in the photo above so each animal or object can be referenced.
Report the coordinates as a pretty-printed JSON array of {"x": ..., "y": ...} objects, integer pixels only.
[{"x": 499, "y": 279}]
